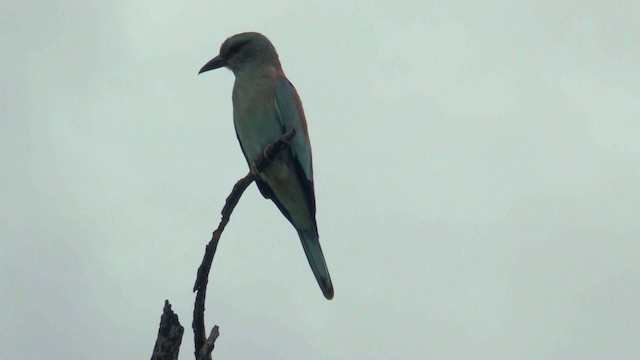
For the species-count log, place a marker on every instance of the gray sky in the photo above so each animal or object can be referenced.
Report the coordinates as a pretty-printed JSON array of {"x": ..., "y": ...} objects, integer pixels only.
[{"x": 477, "y": 170}]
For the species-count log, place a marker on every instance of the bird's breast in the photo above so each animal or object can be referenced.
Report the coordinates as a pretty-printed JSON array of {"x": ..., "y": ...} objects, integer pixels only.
[{"x": 255, "y": 115}]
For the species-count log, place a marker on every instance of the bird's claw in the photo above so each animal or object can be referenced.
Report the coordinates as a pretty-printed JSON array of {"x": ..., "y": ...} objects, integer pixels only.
[{"x": 266, "y": 151}]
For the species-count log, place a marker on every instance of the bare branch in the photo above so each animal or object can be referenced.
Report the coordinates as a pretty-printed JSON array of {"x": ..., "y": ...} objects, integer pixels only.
[
  {"x": 169, "y": 335},
  {"x": 207, "y": 348},
  {"x": 202, "y": 278}
]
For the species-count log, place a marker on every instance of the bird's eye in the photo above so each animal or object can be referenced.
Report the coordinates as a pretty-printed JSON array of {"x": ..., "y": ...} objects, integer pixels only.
[{"x": 235, "y": 48}]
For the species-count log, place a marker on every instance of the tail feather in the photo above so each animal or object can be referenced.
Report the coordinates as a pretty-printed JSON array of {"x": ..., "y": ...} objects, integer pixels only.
[{"x": 312, "y": 249}]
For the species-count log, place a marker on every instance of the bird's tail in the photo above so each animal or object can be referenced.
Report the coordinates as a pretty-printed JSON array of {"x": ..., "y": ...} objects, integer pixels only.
[{"x": 312, "y": 249}]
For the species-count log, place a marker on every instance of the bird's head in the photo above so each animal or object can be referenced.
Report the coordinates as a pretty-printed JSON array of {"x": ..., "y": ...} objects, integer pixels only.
[{"x": 244, "y": 50}]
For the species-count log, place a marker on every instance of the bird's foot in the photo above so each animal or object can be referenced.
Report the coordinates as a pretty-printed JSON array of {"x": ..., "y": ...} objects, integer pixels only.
[{"x": 267, "y": 153}]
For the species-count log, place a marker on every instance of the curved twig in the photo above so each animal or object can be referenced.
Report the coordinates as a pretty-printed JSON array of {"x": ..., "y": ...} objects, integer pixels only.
[{"x": 200, "y": 286}]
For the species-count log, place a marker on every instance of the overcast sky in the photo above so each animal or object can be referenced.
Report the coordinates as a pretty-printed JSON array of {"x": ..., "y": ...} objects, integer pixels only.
[{"x": 477, "y": 173}]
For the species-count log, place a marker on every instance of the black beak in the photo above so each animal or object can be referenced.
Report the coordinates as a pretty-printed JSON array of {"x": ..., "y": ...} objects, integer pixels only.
[{"x": 216, "y": 62}]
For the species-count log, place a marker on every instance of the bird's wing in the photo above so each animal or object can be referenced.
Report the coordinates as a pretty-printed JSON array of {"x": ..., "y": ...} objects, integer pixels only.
[{"x": 291, "y": 116}]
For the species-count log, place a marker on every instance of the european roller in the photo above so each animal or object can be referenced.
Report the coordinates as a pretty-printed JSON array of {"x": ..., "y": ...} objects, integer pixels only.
[{"x": 266, "y": 106}]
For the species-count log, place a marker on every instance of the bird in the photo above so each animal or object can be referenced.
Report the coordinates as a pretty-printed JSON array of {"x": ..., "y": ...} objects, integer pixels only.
[{"x": 265, "y": 106}]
